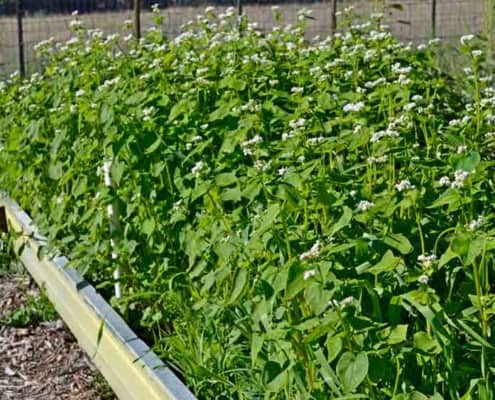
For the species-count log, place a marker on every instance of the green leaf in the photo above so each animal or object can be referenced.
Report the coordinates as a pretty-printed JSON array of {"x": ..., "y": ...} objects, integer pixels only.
[
  {"x": 424, "y": 342},
  {"x": 256, "y": 345},
  {"x": 446, "y": 257},
  {"x": 352, "y": 370},
  {"x": 225, "y": 179},
  {"x": 327, "y": 373},
  {"x": 450, "y": 197},
  {"x": 136, "y": 98},
  {"x": 156, "y": 144},
  {"x": 231, "y": 194},
  {"x": 295, "y": 281},
  {"x": 276, "y": 377},
  {"x": 233, "y": 83},
  {"x": 343, "y": 221},
  {"x": 334, "y": 346},
  {"x": 55, "y": 171},
  {"x": 399, "y": 242},
  {"x": 240, "y": 284},
  {"x": 106, "y": 114},
  {"x": 117, "y": 171},
  {"x": 398, "y": 334},
  {"x": 469, "y": 162},
  {"x": 467, "y": 247},
  {"x": 268, "y": 218},
  {"x": 99, "y": 336},
  {"x": 182, "y": 107},
  {"x": 148, "y": 226},
  {"x": 387, "y": 264},
  {"x": 317, "y": 297}
]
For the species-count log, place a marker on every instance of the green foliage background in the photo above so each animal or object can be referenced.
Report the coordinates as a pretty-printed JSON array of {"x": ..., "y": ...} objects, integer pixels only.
[{"x": 299, "y": 219}]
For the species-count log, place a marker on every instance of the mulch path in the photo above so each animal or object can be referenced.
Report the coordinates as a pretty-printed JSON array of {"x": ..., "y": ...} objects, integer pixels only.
[{"x": 43, "y": 361}]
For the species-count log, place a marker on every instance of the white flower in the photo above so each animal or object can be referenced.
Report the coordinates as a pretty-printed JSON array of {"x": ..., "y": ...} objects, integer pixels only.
[
  {"x": 308, "y": 274},
  {"x": 251, "y": 142},
  {"x": 261, "y": 165},
  {"x": 403, "y": 80},
  {"x": 467, "y": 38},
  {"x": 311, "y": 253},
  {"x": 423, "y": 279},
  {"x": 147, "y": 112},
  {"x": 377, "y": 160},
  {"x": 297, "y": 123},
  {"x": 377, "y": 136},
  {"x": 297, "y": 90},
  {"x": 273, "y": 82},
  {"x": 364, "y": 205},
  {"x": 476, "y": 53},
  {"x": 287, "y": 136},
  {"x": 75, "y": 13},
  {"x": 197, "y": 168},
  {"x": 409, "y": 106},
  {"x": 316, "y": 140},
  {"x": 282, "y": 171},
  {"x": 177, "y": 204},
  {"x": 461, "y": 149},
  {"x": 346, "y": 302},
  {"x": 459, "y": 178},
  {"x": 475, "y": 223},
  {"x": 353, "y": 107},
  {"x": 75, "y": 23},
  {"x": 404, "y": 185},
  {"x": 427, "y": 260},
  {"x": 301, "y": 159},
  {"x": 396, "y": 68},
  {"x": 80, "y": 93}
]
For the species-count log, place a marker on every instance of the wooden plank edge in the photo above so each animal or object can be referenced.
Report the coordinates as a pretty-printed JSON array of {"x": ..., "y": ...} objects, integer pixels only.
[{"x": 132, "y": 370}]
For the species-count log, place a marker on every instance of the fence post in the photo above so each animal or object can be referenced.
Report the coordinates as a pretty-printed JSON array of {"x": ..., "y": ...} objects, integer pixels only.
[
  {"x": 137, "y": 18},
  {"x": 333, "y": 16},
  {"x": 488, "y": 26},
  {"x": 433, "y": 18},
  {"x": 239, "y": 7},
  {"x": 20, "y": 37}
]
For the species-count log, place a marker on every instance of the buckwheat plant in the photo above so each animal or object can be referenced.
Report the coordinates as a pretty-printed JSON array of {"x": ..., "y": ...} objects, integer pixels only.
[{"x": 299, "y": 219}]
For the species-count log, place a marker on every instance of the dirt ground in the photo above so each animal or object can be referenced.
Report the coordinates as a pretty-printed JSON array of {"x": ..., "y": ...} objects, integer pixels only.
[{"x": 42, "y": 361}]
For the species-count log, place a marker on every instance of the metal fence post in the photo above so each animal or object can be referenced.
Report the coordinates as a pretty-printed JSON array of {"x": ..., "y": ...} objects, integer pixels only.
[
  {"x": 137, "y": 18},
  {"x": 239, "y": 7},
  {"x": 434, "y": 18},
  {"x": 20, "y": 37},
  {"x": 333, "y": 16}
]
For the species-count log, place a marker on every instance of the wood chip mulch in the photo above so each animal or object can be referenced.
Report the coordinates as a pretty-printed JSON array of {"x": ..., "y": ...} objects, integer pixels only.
[{"x": 42, "y": 361}]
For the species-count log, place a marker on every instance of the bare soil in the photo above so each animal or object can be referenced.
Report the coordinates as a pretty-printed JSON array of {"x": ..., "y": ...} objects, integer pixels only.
[{"x": 43, "y": 361}]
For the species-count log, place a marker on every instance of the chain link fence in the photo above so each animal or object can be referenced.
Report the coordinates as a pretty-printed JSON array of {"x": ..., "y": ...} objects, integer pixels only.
[{"x": 23, "y": 23}]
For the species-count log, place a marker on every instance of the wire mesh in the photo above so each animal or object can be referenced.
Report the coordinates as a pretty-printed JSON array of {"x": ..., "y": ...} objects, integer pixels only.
[{"x": 409, "y": 20}]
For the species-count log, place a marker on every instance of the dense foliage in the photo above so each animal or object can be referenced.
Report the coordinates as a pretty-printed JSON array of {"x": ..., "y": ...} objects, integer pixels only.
[{"x": 299, "y": 219}]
